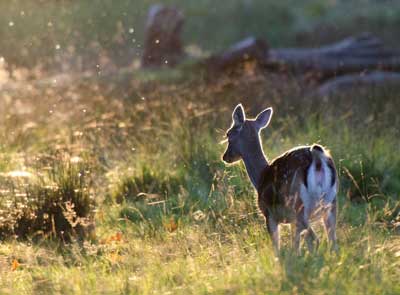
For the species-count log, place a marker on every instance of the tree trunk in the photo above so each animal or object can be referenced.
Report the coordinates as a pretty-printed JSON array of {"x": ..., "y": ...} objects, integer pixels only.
[{"x": 162, "y": 45}]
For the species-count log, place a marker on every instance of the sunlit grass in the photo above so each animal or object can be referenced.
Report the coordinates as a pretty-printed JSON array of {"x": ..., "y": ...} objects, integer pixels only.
[
  {"x": 196, "y": 260},
  {"x": 51, "y": 199},
  {"x": 171, "y": 218},
  {"x": 139, "y": 152}
]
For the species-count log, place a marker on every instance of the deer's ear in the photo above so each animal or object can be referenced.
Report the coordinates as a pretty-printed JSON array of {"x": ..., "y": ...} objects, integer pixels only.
[
  {"x": 264, "y": 118},
  {"x": 238, "y": 115}
]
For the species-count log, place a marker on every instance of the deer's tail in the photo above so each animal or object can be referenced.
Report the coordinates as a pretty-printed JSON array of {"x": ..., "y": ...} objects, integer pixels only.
[{"x": 322, "y": 172}]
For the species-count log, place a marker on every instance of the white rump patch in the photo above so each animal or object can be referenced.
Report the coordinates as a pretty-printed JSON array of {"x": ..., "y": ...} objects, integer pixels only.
[{"x": 319, "y": 193}]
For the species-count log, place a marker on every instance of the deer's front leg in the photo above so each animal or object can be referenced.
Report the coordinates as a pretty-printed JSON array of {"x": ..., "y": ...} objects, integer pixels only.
[
  {"x": 273, "y": 230},
  {"x": 297, "y": 229}
]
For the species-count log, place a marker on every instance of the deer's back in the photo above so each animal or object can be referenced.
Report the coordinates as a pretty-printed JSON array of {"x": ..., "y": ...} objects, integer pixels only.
[{"x": 277, "y": 193}]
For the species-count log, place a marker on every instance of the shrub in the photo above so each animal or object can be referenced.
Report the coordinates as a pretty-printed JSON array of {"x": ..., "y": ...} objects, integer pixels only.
[
  {"x": 148, "y": 182},
  {"x": 55, "y": 203}
]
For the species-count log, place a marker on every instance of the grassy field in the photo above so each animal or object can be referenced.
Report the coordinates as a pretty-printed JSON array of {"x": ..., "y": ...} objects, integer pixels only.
[{"x": 114, "y": 184}]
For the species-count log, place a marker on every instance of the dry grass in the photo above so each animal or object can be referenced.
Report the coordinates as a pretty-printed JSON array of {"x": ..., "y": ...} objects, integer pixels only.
[
  {"x": 169, "y": 216},
  {"x": 196, "y": 228}
]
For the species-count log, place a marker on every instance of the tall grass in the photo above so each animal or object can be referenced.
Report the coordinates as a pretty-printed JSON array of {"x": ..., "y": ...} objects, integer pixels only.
[
  {"x": 55, "y": 202},
  {"x": 170, "y": 217},
  {"x": 140, "y": 157}
]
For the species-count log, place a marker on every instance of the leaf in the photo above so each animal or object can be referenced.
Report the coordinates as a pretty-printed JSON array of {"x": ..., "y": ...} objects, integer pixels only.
[
  {"x": 118, "y": 237},
  {"x": 114, "y": 238},
  {"x": 171, "y": 226},
  {"x": 14, "y": 265}
]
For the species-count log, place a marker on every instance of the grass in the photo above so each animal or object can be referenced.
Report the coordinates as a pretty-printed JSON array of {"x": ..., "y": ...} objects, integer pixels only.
[
  {"x": 54, "y": 202},
  {"x": 170, "y": 217},
  {"x": 140, "y": 153}
]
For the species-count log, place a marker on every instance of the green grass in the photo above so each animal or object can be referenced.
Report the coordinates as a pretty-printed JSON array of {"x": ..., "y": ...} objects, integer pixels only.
[
  {"x": 140, "y": 151},
  {"x": 196, "y": 228}
]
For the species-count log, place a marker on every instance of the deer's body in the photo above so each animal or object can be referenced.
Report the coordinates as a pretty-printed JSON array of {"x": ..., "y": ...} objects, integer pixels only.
[{"x": 296, "y": 187}]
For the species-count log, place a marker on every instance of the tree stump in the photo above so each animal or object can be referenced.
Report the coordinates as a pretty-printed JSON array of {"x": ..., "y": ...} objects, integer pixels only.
[{"x": 163, "y": 46}]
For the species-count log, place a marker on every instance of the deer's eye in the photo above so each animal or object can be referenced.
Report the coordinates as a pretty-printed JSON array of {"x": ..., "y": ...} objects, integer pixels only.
[{"x": 232, "y": 134}]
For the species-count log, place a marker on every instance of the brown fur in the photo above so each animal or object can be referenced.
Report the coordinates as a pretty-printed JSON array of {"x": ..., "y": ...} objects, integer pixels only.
[{"x": 275, "y": 194}]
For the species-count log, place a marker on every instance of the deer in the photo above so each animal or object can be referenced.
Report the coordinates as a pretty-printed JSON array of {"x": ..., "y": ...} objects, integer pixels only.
[{"x": 297, "y": 188}]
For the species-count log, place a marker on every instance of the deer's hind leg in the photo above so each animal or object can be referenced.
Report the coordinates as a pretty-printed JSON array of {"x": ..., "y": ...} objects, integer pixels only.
[
  {"x": 302, "y": 224},
  {"x": 330, "y": 225},
  {"x": 297, "y": 228},
  {"x": 309, "y": 236},
  {"x": 311, "y": 239}
]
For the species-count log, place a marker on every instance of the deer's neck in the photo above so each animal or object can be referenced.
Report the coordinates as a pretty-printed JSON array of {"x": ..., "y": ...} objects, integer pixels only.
[{"x": 255, "y": 162}]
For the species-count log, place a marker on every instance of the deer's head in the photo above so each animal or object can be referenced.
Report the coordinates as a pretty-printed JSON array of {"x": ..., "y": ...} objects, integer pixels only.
[{"x": 244, "y": 135}]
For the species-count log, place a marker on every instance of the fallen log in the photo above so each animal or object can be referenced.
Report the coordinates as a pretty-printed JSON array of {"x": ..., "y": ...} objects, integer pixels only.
[
  {"x": 354, "y": 81},
  {"x": 351, "y": 55},
  {"x": 246, "y": 50}
]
